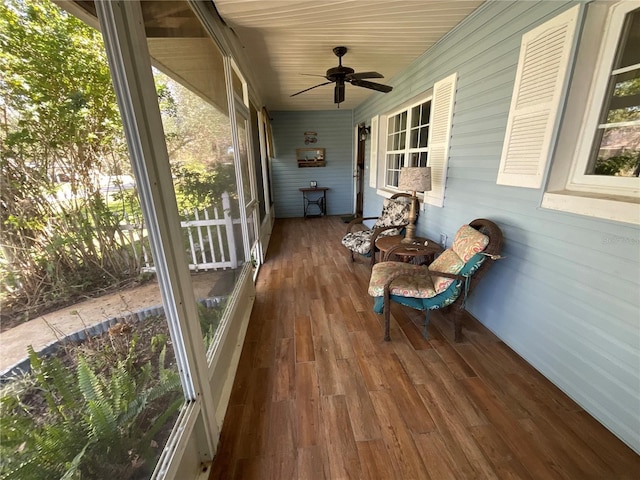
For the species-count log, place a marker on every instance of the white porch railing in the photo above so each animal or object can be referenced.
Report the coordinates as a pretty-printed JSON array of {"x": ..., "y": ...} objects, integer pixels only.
[{"x": 210, "y": 243}]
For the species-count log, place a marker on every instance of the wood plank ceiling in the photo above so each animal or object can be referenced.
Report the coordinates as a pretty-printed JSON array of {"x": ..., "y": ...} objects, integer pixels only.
[{"x": 284, "y": 39}]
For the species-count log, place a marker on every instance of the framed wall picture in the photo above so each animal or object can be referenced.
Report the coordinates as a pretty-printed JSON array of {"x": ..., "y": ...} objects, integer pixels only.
[
  {"x": 313, "y": 184},
  {"x": 310, "y": 157}
]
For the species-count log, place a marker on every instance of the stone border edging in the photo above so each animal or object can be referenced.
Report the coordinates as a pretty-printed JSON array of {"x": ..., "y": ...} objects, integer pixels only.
[{"x": 24, "y": 366}]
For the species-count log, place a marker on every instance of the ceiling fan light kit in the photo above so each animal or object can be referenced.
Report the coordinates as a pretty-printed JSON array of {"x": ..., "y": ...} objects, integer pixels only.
[{"x": 342, "y": 74}]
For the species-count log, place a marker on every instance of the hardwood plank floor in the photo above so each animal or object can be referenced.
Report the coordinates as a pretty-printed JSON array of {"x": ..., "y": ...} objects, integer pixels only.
[{"x": 319, "y": 395}]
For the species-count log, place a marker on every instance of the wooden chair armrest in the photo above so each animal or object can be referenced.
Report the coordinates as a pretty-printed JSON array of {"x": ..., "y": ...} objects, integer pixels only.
[
  {"x": 379, "y": 230},
  {"x": 357, "y": 221}
]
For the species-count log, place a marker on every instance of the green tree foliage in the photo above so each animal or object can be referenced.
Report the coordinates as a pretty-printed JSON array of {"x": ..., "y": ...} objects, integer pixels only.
[
  {"x": 61, "y": 121},
  {"x": 62, "y": 240}
]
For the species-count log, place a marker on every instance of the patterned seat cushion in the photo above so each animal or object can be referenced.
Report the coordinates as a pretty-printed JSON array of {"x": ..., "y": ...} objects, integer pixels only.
[
  {"x": 413, "y": 283},
  {"x": 447, "y": 262},
  {"x": 468, "y": 242},
  {"x": 416, "y": 283},
  {"x": 393, "y": 213},
  {"x": 359, "y": 242}
]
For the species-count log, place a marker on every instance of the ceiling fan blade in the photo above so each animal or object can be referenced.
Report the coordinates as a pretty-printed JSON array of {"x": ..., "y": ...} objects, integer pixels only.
[
  {"x": 338, "y": 93},
  {"x": 310, "y": 88},
  {"x": 312, "y": 75},
  {"x": 372, "y": 85},
  {"x": 362, "y": 75}
]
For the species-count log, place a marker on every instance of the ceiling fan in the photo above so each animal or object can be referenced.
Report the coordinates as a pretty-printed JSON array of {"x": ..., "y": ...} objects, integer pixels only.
[{"x": 340, "y": 75}]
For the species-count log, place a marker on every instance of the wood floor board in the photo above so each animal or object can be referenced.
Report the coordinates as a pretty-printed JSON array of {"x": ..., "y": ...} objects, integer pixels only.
[
  {"x": 303, "y": 339},
  {"x": 318, "y": 394},
  {"x": 405, "y": 457},
  {"x": 313, "y": 463},
  {"x": 361, "y": 414},
  {"x": 339, "y": 440},
  {"x": 412, "y": 409},
  {"x": 470, "y": 414},
  {"x": 435, "y": 455},
  {"x": 499, "y": 454},
  {"x": 284, "y": 370},
  {"x": 375, "y": 462},
  {"x": 512, "y": 432},
  {"x": 343, "y": 347},
  {"x": 469, "y": 459}
]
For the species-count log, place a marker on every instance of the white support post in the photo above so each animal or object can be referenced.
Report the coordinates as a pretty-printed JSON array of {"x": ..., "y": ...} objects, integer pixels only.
[
  {"x": 122, "y": 27},
  {"x": 231, "y": 238}
]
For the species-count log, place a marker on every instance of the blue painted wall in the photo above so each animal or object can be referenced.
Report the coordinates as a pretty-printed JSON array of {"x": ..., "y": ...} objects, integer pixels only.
[
  {"x": 335, "y": 135},
  {"x": 566, "y": 297}
]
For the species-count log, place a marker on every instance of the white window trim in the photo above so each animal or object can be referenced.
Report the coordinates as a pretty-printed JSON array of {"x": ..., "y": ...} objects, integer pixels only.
[
  {"x": 373, "y": 154},
  {"x": 599, "y": 183},
  {"x": 442, "y": 98},
  {"x": 562, "y": 193},
  {"x": 384, "y": 189}
]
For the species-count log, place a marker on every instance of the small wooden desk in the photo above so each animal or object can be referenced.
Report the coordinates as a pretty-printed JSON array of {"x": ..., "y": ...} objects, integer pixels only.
[
  {"x": 409, "y": 253},
  {"x": 317, "y": 202}
]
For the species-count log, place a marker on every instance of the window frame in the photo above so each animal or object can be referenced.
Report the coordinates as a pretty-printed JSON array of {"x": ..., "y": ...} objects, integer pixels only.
[
  {"x": 578, "y": 180},
  {"x": 558, "y": 193},
  {"x": 407, "y": 151}
]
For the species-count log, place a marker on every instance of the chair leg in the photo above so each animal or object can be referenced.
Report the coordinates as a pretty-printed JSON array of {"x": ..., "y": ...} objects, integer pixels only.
[{"x": 387, "y": 318}]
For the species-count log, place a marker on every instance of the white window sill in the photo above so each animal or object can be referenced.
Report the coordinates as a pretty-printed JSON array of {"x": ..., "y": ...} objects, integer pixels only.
[
  {"x": 386, "y": 193},
  {"x": 608, "y": 207}
]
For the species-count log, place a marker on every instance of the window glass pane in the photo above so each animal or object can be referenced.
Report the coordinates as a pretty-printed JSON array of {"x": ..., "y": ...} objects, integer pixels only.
[
  {"x": 403, "y": 121},
  {"x": 80, "y": 234},
  {"x": 402, "y": 140},
  {"x": 237, "y": 84},
  {"x": 616, "y": 150},
  {"x": 629, "y": 49},
  {"x": 244, "y": 158},
  {"x": 415, "y": 115},
  {"x": 193, "y": 104},
  {"x": 426, "y": 112},
  {"x": 423, "y": 159},
  {"x": 413, "y": 143},
  {"x": 424, "y": 137}
]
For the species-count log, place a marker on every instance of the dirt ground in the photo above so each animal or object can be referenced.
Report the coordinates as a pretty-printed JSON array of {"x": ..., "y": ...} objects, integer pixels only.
[{"x": 43, "y": 330}]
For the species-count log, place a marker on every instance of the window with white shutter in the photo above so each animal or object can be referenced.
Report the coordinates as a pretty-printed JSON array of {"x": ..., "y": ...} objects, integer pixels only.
[
  {"x": 540, "y": 86},
  {"x": 417, "y": 135},
  {"x": 444, "y": 92}
]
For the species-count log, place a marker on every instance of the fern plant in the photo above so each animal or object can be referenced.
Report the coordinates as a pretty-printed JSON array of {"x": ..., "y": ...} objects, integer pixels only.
[{"x": 98, "y": 423}]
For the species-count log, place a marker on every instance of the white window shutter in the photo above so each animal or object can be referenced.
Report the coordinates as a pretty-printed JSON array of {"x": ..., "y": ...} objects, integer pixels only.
[
  {"x": 373, "y": 154},
  {"x": 444, "y": 92},
  {"x": 540, "y": 82}
]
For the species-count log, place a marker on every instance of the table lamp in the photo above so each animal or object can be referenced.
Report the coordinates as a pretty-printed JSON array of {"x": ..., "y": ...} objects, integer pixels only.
[{"x": 414, "y": 179}]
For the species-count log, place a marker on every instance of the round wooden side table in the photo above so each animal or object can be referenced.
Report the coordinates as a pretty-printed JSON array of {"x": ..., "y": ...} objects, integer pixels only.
[{"x": 421, "y": 252}]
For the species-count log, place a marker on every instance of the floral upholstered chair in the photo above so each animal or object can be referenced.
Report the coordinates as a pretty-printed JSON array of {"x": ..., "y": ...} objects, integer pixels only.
[
  {"x": 392, "y": 220},
  {"x": 448, "y": 280}
]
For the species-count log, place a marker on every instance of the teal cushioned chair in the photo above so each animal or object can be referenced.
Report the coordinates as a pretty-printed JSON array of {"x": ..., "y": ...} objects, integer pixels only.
[{"x": 447, "y": 282}]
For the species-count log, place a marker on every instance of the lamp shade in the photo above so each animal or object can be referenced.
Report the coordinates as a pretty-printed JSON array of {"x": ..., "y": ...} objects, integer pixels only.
[{"x": 415, "y": 179}]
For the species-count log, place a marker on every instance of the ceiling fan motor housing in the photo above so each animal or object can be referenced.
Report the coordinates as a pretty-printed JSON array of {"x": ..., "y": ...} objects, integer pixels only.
[{"x": 337, "y": 73}]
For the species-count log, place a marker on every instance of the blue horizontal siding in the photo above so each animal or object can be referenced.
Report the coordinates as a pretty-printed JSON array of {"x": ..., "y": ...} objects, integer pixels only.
[
  {"x": 335, "y": 135},
  {"x": 566, "y": 295}
]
